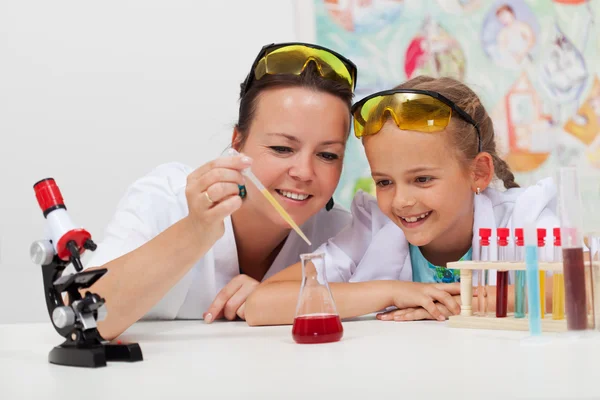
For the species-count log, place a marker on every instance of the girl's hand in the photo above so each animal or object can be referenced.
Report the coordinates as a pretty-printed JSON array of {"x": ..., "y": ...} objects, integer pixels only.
[
  {"x": 412, "y": 314},
  {"x": 427, "y": 296},
  {"x": 212, "y": 193},
  {"x": 419, "y": 313},
  {"x": 231, "y": 300}
]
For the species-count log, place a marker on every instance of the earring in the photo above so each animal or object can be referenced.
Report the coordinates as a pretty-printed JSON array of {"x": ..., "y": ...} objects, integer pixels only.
[
  {"x": 329, "y": 204},
  {"x": 478, "y": 191}
]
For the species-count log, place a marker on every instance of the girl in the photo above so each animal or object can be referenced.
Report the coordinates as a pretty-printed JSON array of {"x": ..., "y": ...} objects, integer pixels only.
[
  {"x": 183, "y": 244},
  {"x": 432, "y": 153}
]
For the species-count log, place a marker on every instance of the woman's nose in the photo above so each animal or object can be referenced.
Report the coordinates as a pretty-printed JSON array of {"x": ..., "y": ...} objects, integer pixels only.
[{"x": 302, "y": 169}]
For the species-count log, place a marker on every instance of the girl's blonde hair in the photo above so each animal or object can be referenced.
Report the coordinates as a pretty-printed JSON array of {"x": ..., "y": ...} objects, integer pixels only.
[{"x": 464, "y": 135}]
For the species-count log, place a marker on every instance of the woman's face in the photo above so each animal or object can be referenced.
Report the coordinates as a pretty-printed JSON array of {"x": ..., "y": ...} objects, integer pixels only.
[{"x": 297, "y": 141}]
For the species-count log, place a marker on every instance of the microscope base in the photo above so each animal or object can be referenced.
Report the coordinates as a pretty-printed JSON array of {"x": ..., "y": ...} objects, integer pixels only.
[{"x": 94, "y": 356}]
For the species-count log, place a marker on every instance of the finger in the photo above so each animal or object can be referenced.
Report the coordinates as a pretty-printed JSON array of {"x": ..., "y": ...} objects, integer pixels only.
[
  {"x": 432, "y": 309},
  {"x": 239, "y": 298},
  {"x": 238, "y": 162},
  {"x": 232, "y": 305},
  {"x": 390, "y": 315},
  {"x": 384, "y": 316},
  {"x": 222, "y": 190},
  {"x": 225, "y": 208},
  {"x": 222, "y": 298},
  {"x": 219, "y": 315},
  {"x": 452, "y": 288},
  {"x": 241, "y": 311},
  {"x": 415, "y": 315},
  {"x": 444, "y": 310},
  {"x": 212, "y": 317},
  {"x": 196, "y": 191},
  {"x": 446, "y": 299},
  {"x": 214, "y": 176},
  {"x": 421, "y": 313}
]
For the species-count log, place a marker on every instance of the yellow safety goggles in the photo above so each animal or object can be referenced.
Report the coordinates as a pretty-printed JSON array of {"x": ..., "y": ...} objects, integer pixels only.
[
  {"x": 292, "y": 58},
  {"x": 411, "y": 109}
]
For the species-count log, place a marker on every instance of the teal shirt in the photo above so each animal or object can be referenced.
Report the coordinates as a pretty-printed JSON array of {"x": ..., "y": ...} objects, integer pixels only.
[{"x": 426, "y": 272}]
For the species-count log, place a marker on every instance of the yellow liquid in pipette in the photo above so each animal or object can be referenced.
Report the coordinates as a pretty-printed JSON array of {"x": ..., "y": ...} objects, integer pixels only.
[
  {"x": 284, "y": 214},
  {"x": 542, "y": 293},
  {"x": 558, "y": 296}
]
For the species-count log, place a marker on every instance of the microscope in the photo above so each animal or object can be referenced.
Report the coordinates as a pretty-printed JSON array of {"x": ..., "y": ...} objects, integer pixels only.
[{"x": 76, "y": 319}]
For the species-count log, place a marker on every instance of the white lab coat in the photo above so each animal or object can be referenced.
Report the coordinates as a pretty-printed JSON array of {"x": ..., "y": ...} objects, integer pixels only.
[
  {"x": 373, "y": 247},
  {"x": 155, "y": 202}
]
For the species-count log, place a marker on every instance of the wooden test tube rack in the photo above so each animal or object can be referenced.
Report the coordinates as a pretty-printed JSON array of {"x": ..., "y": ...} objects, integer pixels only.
[{"x": 467, "y": 319}]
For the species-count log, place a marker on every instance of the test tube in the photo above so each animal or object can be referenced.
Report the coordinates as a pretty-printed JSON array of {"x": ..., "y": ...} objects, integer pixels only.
[
  {"x": 482, "y": 281},
  {"x": 533, "y": 280},
  {"x": 519, "y": 275},
  {"x": 558, "y": 280},
  {"x": 594, "y": 247},
  {"x": 502, "y": 276},
  {"x": 572, "y": 249},
  {"x": 541, "y": 244}
]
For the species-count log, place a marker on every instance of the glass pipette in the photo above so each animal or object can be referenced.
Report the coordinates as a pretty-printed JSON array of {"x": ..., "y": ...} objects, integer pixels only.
[{"x": 248, "y": 173}]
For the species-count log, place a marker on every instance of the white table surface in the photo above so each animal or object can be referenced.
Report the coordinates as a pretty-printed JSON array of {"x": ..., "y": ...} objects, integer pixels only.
[{"x": 374, "y": 360}]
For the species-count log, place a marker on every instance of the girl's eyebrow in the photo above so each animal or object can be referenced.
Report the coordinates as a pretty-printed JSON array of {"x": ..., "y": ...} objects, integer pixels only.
[{"x": 417, "y": 170}]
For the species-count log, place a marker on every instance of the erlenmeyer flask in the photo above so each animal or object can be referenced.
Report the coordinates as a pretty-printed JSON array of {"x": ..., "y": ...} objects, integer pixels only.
[{"x": 317, "y": 319}]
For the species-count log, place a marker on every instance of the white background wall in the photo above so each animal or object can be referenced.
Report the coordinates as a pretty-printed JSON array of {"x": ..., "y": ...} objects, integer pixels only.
[{"x": 95, "y": 94}]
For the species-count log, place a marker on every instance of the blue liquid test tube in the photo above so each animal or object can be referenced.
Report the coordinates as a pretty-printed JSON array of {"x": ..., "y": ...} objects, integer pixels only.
[{"x": 533, "y": 280}]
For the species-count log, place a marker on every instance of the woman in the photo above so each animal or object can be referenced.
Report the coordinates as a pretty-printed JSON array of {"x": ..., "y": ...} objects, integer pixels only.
[{"x": 192, "y": 244}]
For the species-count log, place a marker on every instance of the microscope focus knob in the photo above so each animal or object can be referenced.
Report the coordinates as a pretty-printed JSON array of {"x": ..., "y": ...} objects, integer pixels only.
[
  {"x": 41, "y": 252},
  {"x": 63, "y": 316}
]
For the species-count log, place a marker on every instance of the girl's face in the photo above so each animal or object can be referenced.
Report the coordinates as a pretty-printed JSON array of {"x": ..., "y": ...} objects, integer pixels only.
[
  {"x": 422, "y": 187},
  {"x": 297, "y": 142}
]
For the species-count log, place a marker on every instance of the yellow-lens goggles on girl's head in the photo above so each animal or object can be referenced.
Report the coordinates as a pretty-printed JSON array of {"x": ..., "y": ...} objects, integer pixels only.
[
  {"x": 411, "y": 109},
  {"x": 292, "y": 58}
]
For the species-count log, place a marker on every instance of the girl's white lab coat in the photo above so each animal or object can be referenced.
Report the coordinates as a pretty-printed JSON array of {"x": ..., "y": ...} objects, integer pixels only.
[
  {"x": 155, "y": 202},
  {"x": 373, "y": 247}
]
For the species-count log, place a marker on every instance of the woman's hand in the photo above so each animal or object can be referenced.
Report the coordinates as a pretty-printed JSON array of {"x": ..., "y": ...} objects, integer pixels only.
[
  {"x": 231, "y": 300},
  {"x": 416, "y": 300},
  {"x": 212, "y": 193}
]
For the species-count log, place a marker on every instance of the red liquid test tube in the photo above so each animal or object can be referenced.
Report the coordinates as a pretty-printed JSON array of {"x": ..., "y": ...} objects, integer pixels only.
[
  {"x": 502, "y": 276},
  {"x": 571, "y": 222}
]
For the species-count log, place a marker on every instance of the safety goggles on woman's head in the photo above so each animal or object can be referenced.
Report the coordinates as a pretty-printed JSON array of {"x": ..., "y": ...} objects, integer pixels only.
[
  {"x": 292, "y": 58},
  {"x": 411, "y": 109}
]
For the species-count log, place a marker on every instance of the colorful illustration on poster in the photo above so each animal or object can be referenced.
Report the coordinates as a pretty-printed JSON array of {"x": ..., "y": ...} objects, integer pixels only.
[{"x": 532, "y": 62}]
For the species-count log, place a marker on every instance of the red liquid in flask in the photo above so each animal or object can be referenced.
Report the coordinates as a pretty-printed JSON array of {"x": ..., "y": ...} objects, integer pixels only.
[
  {"x": 317, "y": 329},
  {"x": 575, "y": 295}
]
